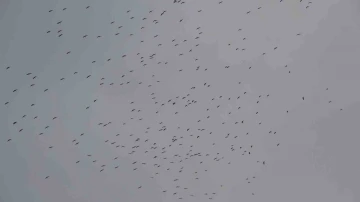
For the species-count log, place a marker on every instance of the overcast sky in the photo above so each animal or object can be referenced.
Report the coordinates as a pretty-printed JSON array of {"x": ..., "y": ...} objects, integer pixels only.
[{"x": 292, "y": 78}]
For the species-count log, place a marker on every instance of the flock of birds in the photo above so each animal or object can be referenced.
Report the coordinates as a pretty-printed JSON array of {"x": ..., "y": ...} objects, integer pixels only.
[{"x": 205, "y": 120}]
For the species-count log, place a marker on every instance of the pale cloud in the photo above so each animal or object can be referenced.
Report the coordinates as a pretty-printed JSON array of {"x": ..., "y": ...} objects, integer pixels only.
[{"x": 315, "y": 158}]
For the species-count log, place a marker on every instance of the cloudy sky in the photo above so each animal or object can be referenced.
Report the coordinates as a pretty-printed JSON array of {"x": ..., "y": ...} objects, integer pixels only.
[{"x": 277, "y": 79}]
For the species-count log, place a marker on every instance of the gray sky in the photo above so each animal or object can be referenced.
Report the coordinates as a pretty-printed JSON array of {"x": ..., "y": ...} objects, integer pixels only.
[{"x": 278, "y": 54}]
